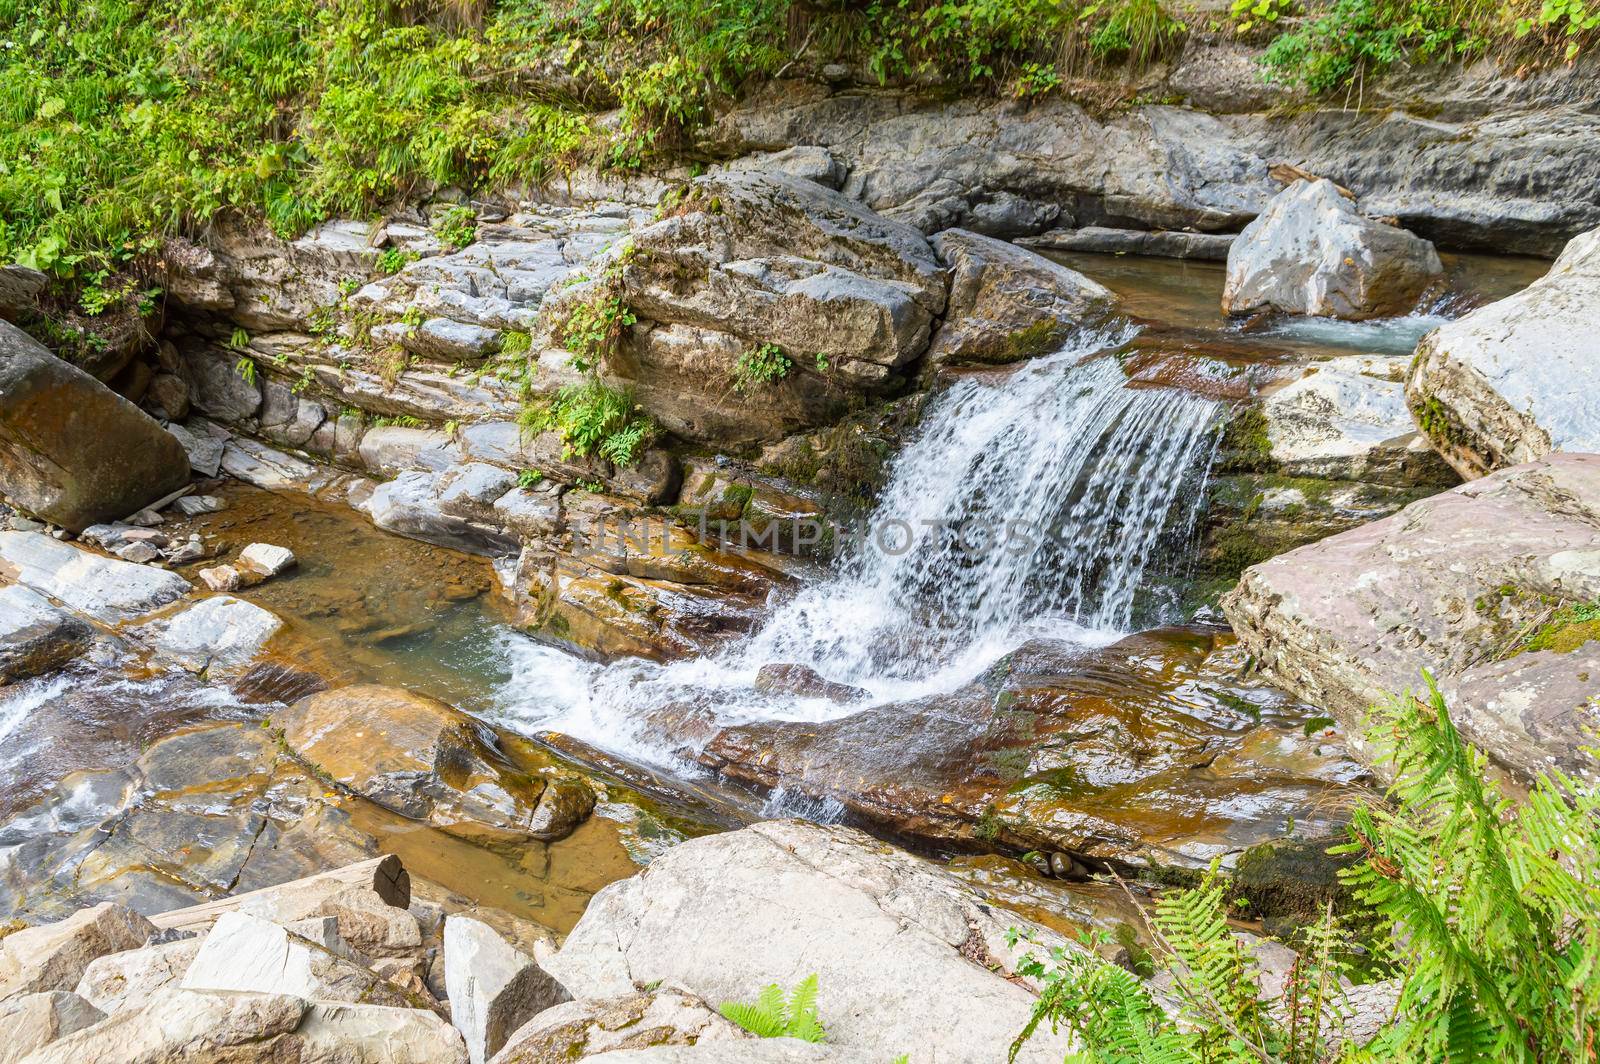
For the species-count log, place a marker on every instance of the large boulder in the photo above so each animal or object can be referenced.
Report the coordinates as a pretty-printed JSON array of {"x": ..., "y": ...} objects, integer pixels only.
[
  {"x": 127, "y": 980},
  {"x": 54, "y": 956},
  {"x": 892, "y": 939},
  {"x": 72, "y": 451},
  {"x": 764, "y": 258},
  {"x": 1008, "y": 303},
  {"x": 1486, "y": 585},
  {"x": 1517, "y": 379},
  {"x": 1310, "y": 252},
  {"x": 423, "y": 759}
]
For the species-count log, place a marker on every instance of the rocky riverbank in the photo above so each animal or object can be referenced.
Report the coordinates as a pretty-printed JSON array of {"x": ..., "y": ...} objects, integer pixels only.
[{"x": 621, "y": 426}]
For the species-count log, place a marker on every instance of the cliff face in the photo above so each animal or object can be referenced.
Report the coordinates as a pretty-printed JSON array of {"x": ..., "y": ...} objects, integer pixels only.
[{"x": 1470, "y": 157}]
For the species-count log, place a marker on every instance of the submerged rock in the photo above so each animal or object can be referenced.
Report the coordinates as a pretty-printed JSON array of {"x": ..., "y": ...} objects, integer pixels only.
[
  {"x": 1007, "y": 304},
  {"x": 73, "y": 451},
  {"x": 422, "y": 759},
  {"x": 1147, "y": 753},
  {"x": 879, "y": 927},
  {"x": 1517, "y": 379},
  {"x": 1310, "y": 253},
  {"x": 1460, "y": 584}
]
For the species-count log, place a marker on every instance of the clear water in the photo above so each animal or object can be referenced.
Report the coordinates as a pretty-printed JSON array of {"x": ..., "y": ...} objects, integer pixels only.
[{"x": 1039, "y": 503}]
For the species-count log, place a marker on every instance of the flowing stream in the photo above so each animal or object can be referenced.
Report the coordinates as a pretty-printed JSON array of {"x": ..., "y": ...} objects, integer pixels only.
[{"x": 1037, "y": 503}]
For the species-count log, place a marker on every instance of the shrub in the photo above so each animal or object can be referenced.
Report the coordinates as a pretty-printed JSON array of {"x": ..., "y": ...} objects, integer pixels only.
[
  {"x": 1490, "y": 912},
  {"x": 593, "y": 419}
]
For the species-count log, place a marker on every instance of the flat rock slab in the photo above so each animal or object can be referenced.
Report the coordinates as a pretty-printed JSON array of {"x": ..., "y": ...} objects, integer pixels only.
[
  {"x": 1453, "y": 584},
  {"x": 583, "y": 1029},
  {"x": 104, "y": 589}
]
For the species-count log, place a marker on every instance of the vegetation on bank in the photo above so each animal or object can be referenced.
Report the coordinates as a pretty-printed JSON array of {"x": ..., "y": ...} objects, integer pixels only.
[
  {"x": 123, "y": 120},
  {"x": 1487, "y": 916}
]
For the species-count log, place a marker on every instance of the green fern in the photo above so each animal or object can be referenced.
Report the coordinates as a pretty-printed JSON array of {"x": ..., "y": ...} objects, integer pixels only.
[{"x": 771, "y": 1016}]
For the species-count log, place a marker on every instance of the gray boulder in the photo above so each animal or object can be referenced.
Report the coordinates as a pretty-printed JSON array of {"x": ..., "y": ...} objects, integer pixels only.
[
  {"x": 775, "y": 259},
  {"x": 892, "y": 939},
  {"x": 803, "y": 161},
  {"x": 73, "y": 451},
  {"x": 1517, "y": 379},
  {"x": 1310, "y": 252},
  {"x": 1347, "y": 419},
  {"x": 104, "y": 589},
  {"x": 217, "y": 388},
  {"x": 219, "y": 636},
  {"x": 1008, "y": 303},
  {"x": 1468, "y": 584}
]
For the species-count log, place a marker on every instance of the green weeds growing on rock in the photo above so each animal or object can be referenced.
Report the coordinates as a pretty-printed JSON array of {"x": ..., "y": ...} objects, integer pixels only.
[
  {"x": 766, "y": 364},
  {"x": 771, "y": 1015}
]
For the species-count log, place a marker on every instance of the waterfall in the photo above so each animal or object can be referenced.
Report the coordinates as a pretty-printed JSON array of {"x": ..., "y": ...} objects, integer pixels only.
[{"x": 1032, "y": 503}]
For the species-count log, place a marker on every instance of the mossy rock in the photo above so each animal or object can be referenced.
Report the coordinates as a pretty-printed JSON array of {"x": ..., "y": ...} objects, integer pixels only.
[{"x": 1292, "y": 880}]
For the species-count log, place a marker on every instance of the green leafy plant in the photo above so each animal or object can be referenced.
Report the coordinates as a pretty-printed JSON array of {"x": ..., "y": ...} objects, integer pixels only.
[
  {"x": 456, "y": 227},
  {"x": 594, "y": 329},
  {"x": 1248, "y": 14},
  {"x": 772, "y": 1015},
  {"x": 593, "y": 419},
  {"x": 1488, "y": 912},
  {"x": 392, "y": 260},
  {"x": 528, "y": 478},
  {"x": 766, "y": 364}
]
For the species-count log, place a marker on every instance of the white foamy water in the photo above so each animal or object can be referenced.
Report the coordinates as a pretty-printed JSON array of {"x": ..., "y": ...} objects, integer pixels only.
[
  {"x": 1032, "y": 505},
  {"x": 1381, "y": 336}
]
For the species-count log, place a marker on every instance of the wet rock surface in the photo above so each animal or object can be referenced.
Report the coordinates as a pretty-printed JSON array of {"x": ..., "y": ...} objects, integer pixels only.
[{"x": 1149, "y": 752}]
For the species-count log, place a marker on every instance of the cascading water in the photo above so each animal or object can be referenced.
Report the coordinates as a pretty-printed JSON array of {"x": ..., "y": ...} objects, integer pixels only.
[{"x": 1033, "y": 504}]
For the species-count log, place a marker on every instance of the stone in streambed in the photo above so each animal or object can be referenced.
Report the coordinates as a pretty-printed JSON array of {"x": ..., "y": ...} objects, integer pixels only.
[
  {"x": 102, "y": 589},
  {"x": 806, "y": 682},
  {"x": 266, "y": 559},
  {"x": 72, "y": 451},
  {"x": 217, "y": 636},
  {"x": 494, "y": 988},
  {"x": 36, "y": 637},
  {"x": 1515, "y": 380},
  {"x": 1310, "y": 252},
  {"x": 420, "y": 758}
]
